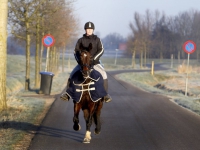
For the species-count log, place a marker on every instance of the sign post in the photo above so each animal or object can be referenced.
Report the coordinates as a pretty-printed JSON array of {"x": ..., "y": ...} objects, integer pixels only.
[
  {"x": 189, "y": 47},
  {"x": 116, "y": 56},
  {"x": 172, "y": 60},
  {"x": 48, "y": 41}
]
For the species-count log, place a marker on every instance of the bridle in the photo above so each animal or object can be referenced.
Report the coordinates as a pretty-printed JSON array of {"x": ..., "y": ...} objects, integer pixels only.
[{"x": 85, "y": 67}]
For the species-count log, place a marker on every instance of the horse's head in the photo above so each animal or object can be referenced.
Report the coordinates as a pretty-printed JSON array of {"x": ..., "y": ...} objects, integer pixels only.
[{"x": 85, "y": 59}]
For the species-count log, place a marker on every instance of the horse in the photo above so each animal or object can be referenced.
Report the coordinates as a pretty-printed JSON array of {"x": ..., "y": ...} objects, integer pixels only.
[{"x": 91, "y": 109}]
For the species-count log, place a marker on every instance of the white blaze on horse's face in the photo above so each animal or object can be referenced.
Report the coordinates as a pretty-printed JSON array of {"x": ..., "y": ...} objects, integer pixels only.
[{"x": 85, "y": 65}]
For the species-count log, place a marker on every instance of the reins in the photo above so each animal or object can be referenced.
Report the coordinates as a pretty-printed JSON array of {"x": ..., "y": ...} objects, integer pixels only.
[{"x": 85, "y": 66}]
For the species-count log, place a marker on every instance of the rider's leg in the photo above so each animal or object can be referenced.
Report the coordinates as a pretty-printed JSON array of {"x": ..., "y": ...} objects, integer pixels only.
[
  {"x": 64, "y": 96},
  {"x": 107, "y": 98},
  {"x": 101, "y": 70}
]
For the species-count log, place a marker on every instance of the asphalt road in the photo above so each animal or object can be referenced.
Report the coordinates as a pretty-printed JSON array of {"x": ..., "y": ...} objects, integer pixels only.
[{"x": 134, "y": 120}]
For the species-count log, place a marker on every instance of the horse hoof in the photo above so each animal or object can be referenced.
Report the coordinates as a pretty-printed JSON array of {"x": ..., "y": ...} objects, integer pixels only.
[
  {"x": 87, "y": 137},
  {"x": 86, "y": 140},
  {"x": 96, "y": 132},
  {"x": 77, "y": 127}
]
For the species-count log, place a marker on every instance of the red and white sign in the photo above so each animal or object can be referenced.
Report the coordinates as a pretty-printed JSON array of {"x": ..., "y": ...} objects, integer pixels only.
[
  {"x": 189, "y": 47},
  {"x": 48, "y": 40}
]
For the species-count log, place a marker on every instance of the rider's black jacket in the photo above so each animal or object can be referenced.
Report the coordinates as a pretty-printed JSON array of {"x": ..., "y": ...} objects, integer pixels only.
[{"x": 97, "y": 47}]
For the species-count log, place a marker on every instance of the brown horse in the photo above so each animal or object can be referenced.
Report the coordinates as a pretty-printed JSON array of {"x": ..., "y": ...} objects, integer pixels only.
[{"x": 91, "y": 110}]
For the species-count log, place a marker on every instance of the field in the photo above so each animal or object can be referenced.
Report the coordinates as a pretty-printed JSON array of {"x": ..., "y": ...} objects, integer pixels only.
[{"x": 27, "y": 109}]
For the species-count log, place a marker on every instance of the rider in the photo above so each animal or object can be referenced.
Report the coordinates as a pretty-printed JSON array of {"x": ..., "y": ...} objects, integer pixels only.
[{"x": 96, "y": 52}]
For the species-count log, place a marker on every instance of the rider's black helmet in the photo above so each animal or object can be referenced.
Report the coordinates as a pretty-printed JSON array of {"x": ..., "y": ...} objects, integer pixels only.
[{"x": 89, "y": 25}]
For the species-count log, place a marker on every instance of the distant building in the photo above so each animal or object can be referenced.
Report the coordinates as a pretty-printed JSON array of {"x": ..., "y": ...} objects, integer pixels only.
[{"x": 122, "y": 46}]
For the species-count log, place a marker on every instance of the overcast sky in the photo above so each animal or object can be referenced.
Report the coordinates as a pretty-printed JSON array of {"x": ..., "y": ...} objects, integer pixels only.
[{"x": 111, "y": 16}]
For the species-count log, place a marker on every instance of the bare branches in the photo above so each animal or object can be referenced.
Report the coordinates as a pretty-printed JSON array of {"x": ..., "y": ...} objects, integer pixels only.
[
  {"x": 161, "y": 35},
  {"x": 31, "y": 19}
]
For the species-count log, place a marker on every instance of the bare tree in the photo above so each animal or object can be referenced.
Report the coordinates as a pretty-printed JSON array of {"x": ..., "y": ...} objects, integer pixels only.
[
  {"x": 131, "y": 45},
  {"x": 195, "y": 33},
  {"x": 159, "y": 36},
  {"x": 28, "y": 18},
  {"x": 63, "y": 26},
  {"x": 22, "y": 15},
  {"x": 45, "y": 9},
  {"x": 183, "y": 25},
  {"x": 141, "y": 30},
  {"x": 3, "y": 56}
]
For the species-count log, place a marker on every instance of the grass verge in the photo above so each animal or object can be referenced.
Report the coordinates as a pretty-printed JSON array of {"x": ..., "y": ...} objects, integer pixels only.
[{"x": 26, "y": 109}]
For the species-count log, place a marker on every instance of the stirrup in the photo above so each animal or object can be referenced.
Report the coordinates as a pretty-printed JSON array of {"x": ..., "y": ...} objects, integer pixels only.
[
  {"x": 107, "y": 98},
  {"x": 64, "y": 97}
]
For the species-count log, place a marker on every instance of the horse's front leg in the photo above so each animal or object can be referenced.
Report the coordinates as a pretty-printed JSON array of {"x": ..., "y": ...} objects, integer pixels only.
[
  {"x": 88, "y": 119},
  {"x": 87, "y": 137},
  {"x": 77, "y": 108}
]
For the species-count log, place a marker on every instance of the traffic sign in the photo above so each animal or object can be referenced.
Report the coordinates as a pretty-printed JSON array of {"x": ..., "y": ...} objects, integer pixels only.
[
  {"x": 189, "y": 47},
  {"x": 48, "y": 40}
]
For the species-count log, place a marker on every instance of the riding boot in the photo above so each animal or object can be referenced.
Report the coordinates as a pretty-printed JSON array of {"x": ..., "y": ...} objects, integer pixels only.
[
  {"x": 107, "y": 98},
  {"x": 64, "y": 96}
]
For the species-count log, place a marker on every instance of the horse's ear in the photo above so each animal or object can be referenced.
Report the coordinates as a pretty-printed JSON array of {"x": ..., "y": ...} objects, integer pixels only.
[
  {"x": 90, "y": 46},
  {"x": 81, "y": 46}
]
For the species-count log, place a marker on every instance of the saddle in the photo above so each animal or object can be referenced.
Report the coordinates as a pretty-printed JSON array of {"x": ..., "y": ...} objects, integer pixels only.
[{"x": 95, "y": 86}]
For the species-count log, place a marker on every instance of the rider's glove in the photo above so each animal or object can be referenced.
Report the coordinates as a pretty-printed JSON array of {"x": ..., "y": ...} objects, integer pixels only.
[{"x": 92, "y": 61}]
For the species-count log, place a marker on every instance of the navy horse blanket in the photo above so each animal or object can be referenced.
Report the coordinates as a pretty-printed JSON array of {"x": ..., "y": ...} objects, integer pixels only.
[{"x": 95, "y": 86}]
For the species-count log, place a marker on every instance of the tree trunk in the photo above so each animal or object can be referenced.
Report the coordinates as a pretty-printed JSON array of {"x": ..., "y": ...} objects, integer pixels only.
[
  {"x": 37, "y": 58},
  {"x": 145, "y": 55},
  {"x": 179, "y": 57},
  {"x": 161, "y": 56},
  {"x": 42, "y": 47},
  {"x": 3, "y": 52},
  {"x": 28, "y": 40},
  {"x": 182, "y": 55},
  {"x": 69, "y": 64},
  {"x": 41, "y": 56},
  {"x": 58, "y": 60},
  {"x": 133, "y": 59},
  {"x": 161, "y": 51},
  {"x": 63, "y": 58},
  {"x": 197, "y": 52},
  {"x": 141, "y": 59},
  {"x": 54, "y": 59}
]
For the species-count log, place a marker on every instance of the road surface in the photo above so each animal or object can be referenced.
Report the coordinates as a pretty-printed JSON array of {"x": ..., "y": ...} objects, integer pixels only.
[{"x": 134, "y": 120}]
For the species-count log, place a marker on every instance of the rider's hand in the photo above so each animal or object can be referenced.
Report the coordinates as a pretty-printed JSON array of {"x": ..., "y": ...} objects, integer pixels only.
[{"x": 92, "y": 61}]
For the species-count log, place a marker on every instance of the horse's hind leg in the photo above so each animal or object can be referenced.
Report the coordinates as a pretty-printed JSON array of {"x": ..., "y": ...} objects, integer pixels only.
[
  {"x": 96, "y": 116},
  {"x": 77, "y": 108},
  {"x": 87, "y": 119}
]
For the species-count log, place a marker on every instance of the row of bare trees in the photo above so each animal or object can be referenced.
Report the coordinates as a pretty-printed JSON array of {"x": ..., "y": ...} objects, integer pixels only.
[
  {"x": 155, "y": 35},
  {"x": 30, "y": 20}
]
